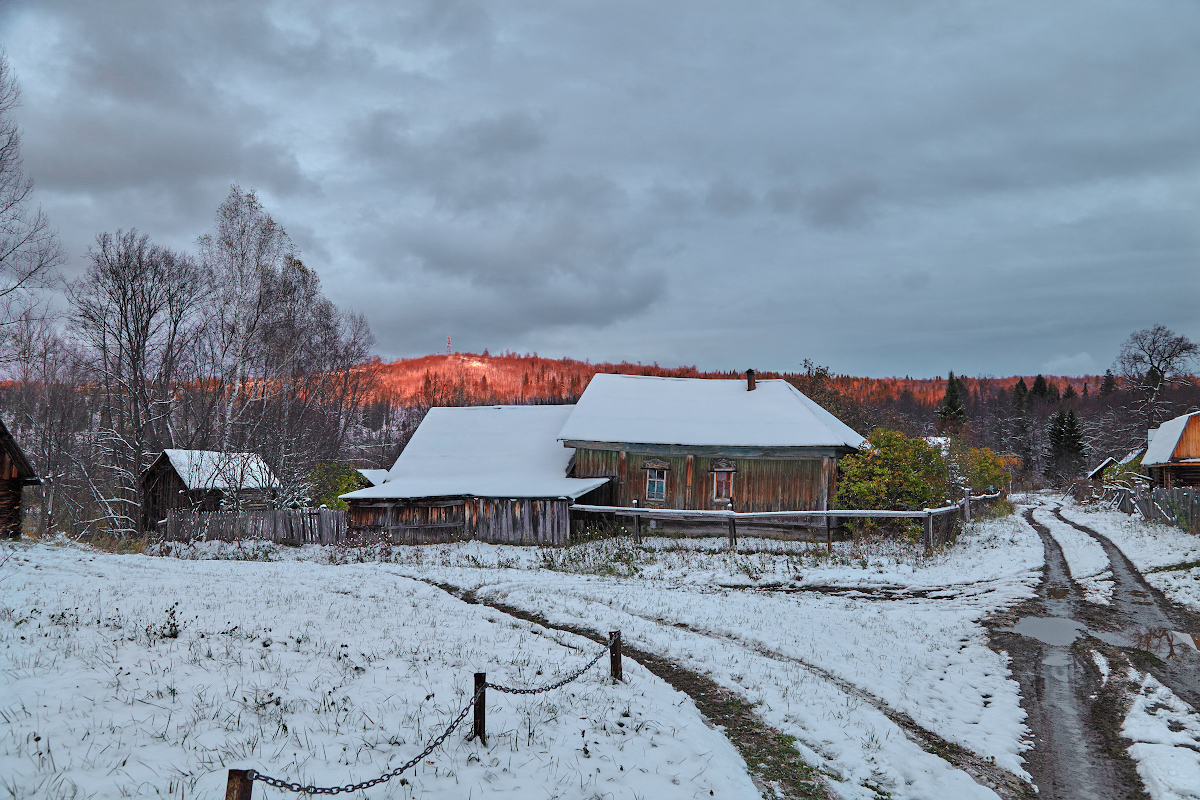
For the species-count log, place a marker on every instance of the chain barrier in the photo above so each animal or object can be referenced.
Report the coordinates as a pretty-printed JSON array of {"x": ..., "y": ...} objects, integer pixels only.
[
  {"x": 255, "y": 775},
  {"x": 551, "y": 686}
]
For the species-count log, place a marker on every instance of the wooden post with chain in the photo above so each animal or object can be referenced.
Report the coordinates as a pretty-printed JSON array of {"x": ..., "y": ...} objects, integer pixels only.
[
  {"x": 239, "y": 786},
  {"x": 480, "y": 707}
]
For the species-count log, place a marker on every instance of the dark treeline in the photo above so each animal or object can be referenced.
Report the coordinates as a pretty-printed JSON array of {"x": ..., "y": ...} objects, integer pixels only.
[
  {"x": 1052, "y": 432},
  {"x": 231, "y": 348}
]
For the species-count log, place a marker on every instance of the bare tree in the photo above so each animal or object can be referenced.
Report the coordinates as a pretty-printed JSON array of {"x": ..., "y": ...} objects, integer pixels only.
[
  {"x": 133, "y": 315},
  {"x": 1151, "y": 359},
  {"x": 29, "y": 248},
  {"x": 241, "y": 258}
]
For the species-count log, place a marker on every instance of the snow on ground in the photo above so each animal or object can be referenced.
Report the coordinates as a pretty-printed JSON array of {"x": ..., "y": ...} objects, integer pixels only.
[
  {"x": 896, "y": 630},
  {"x": 1165, "y": 732},
  {"x": 138, "y": 676},
  {"x": 1169, "y": 557},
  {"x": 1086, "y": 558}
]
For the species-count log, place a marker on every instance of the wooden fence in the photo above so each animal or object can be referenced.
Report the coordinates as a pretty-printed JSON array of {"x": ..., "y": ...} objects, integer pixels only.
[
  {"x": 1178, "y": 507},
  {"x": 282, "y": 525},
  {"x": 940, "y": 525}
]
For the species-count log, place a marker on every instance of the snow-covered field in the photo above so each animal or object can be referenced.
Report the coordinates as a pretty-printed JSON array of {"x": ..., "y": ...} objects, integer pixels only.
[
  {"x": 138, "y": 676},
  {"x": 1086, "y": 558},
  {"x": 326, "y": 665},
  {"x": 1168, "y": 556}
]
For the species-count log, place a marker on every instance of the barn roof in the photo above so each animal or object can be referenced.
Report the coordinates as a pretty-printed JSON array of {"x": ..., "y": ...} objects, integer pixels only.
[
  {"x": 1103, "y": 465},
  {"x": 701, "y": 412},
  {"x": 1164, "y": 439},
  {"x": 484, "y": 451},
  {"x": 24, "y": 470},
  {"x": 210, "y": 469},
  {"x": 374, "y": 476}
]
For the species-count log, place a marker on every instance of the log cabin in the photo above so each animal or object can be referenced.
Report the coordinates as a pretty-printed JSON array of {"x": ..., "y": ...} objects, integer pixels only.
[
  {"x": 15, "y": 474},
  {"x": 493, "y": 473},
  {"x": 1173, "y": 453},
  {"x": 204, "y": 480},
  {"x": 699, "y": 444}
]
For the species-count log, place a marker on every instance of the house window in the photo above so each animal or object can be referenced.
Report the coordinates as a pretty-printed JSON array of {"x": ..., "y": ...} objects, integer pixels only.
[
  {"x": 723, "y": 484},
  {"x": 656, "y": 484}
]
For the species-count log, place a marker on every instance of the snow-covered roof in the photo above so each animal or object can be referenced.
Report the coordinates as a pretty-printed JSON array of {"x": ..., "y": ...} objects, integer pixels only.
[
  {"x": 374, "y": 476},
  {"x": 1132, "y": 454},
  {"x": 484, "y": 451},
  {"x": 209, "y": 469},
  {"x": 701, "y": 412},
  {"x": 1095, "y": 473},
  {"x": 1164, "y": 439}
]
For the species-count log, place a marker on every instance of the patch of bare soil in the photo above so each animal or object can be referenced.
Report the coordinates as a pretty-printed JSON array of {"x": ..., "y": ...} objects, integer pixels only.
[{"x": 775, "y": 765}]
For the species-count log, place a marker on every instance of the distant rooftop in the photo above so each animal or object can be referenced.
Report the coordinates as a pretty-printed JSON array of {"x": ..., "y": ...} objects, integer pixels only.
[
  {"x": 209, "y": 469},
  {"x": 703, "y": 412}
]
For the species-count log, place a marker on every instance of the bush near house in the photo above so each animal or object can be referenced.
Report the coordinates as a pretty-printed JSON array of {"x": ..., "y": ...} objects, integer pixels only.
[
  {"x": 982, "y": 470},
  {"x": 895, "y": 473},
  {"x": 330, "y": 480}
]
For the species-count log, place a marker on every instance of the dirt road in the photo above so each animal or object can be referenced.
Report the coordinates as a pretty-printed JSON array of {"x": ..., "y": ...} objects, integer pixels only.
[{"x": 1074, "y": 713}]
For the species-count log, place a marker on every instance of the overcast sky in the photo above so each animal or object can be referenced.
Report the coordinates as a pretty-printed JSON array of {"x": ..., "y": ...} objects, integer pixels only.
[{"x": 887, "y": 188}]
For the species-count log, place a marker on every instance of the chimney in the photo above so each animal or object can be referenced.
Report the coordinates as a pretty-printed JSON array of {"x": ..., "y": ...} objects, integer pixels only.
[{"x": 749, "y": 380}]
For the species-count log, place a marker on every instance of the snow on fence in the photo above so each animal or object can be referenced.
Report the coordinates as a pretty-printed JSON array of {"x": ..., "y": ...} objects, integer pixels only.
[
  {"x": 941, "y": 525},
  {"x": 294, "y": 526}
]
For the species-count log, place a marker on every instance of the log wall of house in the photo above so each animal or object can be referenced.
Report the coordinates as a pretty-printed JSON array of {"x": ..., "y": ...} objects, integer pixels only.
[
  {"x": 536, "y": 521},
  {"x": 759, "y": 484}
]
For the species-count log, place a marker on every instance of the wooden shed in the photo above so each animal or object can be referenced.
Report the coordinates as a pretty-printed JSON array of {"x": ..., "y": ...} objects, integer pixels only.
[
  {"x": 688, "y": 443},
  {"x": 492, "y": 473},
  {"x": 15, "y": 474},
  {"x": 204, "y": 480},
  {"x": 1173, "y": 453}
]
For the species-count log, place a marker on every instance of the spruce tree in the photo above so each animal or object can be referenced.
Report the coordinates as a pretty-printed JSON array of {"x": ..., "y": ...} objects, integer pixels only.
[
  {"x": 1020, "y": 395},
  {"x": 1040, "y": 389},
  {"x": 952, "y": 413},
  {"x": 1109, "y": 384},
  {"x": 1069, "y": 392}
]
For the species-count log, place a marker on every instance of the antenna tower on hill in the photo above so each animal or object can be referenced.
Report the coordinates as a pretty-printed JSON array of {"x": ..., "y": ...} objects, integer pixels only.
[{"x": 447, "y": 345}]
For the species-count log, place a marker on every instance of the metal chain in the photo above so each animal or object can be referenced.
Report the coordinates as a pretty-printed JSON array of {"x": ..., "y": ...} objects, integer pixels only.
[
  {"x": 255, "y": 775},
  {"x": 560, "y": 684}
]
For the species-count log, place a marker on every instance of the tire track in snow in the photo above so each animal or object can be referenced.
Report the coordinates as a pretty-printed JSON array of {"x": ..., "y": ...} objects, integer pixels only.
[{"x": 981, "y": 770}]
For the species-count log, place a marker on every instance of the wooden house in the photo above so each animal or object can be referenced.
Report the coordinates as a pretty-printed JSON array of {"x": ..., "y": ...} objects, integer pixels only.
[
  {"x": 1173, "y": 453},
  {"x": 493, "y": 473},
  {"x": 204, "y": 480},
  {"x": 15, "y": 474},
  {"x": 688, "y": 443}
]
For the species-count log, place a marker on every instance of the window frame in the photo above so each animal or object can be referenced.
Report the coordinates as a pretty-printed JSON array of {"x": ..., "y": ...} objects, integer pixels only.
[
  {"x": 717, "y": 480},
  {"x": 656, "y": 476}
]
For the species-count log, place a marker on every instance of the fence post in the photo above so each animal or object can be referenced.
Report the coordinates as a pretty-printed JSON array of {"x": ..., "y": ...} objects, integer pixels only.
[
  {"x": 480, "y": 707},
  {"x": 966, "y": 505},
  {"x": 732, "y": 533},
  {"x": 239, "y": 786},
  {"x": 637, "y": 529},
  {"x": 614, "y": 655},
  {"x": 928, "y": 530},
  {"x": 828, "y": 535}
]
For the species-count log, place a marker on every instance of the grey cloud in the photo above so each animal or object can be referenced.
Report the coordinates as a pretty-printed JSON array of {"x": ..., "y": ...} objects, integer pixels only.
[{"x": 537, "y": 173}]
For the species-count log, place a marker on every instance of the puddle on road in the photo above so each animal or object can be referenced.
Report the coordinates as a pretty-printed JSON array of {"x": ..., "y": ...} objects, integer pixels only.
[
  {"x": 1057, "y": 592},
  {"x": 1056, "y": 631},
  {"x": 1063, "y": 631}
]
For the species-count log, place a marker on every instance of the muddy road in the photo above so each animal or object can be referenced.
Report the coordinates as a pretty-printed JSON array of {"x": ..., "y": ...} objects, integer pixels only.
[{"x": 1075, "y": 716}]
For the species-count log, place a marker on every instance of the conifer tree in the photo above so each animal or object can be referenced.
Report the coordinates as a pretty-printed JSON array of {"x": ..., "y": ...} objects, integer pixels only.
[
  {"x": 1109, "y": 384},
  {"x": 1040, "y": 388},
  {"x": 1020, "y": 395},
  {"x": 952, "y": 413},
  {"x": 1070, "y": 392}
]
